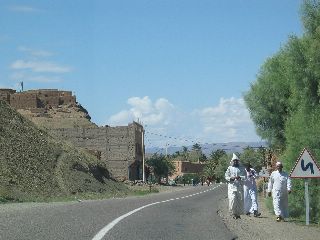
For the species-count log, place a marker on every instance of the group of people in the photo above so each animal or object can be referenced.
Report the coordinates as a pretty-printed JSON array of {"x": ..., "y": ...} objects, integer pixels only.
[{"x": 242, "y": 190}]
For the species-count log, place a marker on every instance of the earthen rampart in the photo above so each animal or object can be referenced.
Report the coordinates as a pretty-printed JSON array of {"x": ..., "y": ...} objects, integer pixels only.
[{"x": 119, "y": 147}]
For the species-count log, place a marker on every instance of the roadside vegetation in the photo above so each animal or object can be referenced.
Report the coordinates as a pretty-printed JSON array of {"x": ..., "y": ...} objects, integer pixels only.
[
  {"x": 284, "y": 103},
  {"x": 215, "y": 165}
]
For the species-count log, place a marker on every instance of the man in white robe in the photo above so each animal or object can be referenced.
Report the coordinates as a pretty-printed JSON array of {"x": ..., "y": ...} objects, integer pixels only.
[
  {"x": 235, "y": 175},
  {"x": 250, "y": 192},
  {"x": 280, "y": 186}
]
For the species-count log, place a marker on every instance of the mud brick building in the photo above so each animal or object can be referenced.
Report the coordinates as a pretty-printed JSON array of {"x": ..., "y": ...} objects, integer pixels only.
[
  {"x": 32, "y": 99},
  {"x": 5, "y": 94},
  {"x": 119, "y": 147},
  {"x": 185, "y": 167}
]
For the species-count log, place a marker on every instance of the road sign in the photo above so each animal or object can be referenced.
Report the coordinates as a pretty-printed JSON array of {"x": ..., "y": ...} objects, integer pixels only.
[{"x": 305, "y": 167}]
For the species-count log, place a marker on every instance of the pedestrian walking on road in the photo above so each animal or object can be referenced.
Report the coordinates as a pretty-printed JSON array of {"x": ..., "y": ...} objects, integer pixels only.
[
  {"x": 250, "y": 192},
  {"x": 280, "y": 186},
  {"x": 235, "y": 175}
]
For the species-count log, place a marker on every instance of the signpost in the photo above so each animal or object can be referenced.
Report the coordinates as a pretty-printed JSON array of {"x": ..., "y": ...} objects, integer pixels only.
[
  {"x": 306, "y": 167},
  {"x": 265, "y": 174}
]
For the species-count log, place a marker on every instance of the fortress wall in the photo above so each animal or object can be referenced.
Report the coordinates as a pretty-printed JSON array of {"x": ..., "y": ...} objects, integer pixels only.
[
  {"x": 65, "y": 93},
  {"x": 119, "y": 147},
  {"x": 116, "y": 131},
  {"x": 51, "y": 101},
  {"x": 115, "y": 146},
  {"x": 37, "y": 98},
  {"x": 5, "y": 97},
  {"x": 5, "y": 94},
  {"x": 46, "y": 92},
  {"x": 63, "y": 100},
  {"x": 7, "y": 90},
  {"x": 24, "y": 101}
]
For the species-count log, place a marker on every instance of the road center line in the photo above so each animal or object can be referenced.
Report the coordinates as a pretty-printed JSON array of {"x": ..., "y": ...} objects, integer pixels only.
[{"x": 108, "y": 227}]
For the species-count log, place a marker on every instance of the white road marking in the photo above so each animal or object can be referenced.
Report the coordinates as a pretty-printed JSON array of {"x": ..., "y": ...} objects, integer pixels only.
[{"x": 108, "y": 227}]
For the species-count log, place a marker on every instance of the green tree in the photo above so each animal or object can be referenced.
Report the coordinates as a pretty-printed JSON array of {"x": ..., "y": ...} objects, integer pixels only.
[
  {"x": 162, "y": 166},
  {"x": 253, "y": 156},
  {"x": 177, "y": 154},
  {"x": 267, "y": 100},
  {"x": 224, "y": 162},
  {"x": 284, "y": 102},
  {"x": 196, "y": 154},
  {"x": 210, "y": 168},
  {"x": 185, "y": 153}
]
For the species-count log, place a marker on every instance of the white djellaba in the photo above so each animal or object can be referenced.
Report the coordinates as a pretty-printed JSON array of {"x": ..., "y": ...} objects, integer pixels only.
[
  {"x": 280, "y": 185},
  {"x": 235, "y": 175},
  {"x": 250, "y": 192}
]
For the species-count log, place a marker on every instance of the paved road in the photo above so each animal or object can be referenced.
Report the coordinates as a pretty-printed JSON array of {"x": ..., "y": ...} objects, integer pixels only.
[{"x": 190, "y": 213}]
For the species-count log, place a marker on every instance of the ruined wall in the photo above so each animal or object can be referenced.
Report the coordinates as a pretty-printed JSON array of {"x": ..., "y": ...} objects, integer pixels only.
[
  {"x": 5, "y": 94},
  {"x": 114, "y": 145},
  {"x": 54, "y": 97},
  {"x": 119, "y": 147},
  {"x": 42, "y": 98},
  {"x": 24, "y": 100}
]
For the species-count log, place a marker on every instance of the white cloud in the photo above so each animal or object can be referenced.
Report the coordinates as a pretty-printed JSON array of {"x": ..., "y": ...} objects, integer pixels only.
[
  {"x": 23, "y": 8},
  {"x": 39, "y": 66},
  {"x": 229, "y": 121},
  {"x": 35, "y": 52},
  {"x": 121, "y": 118},
  {"x": 142, "y": 109},
  {"x": 140, "y": 105},
  {"x": 22, "y": 76},
  {"x": 44, "y": 79}
]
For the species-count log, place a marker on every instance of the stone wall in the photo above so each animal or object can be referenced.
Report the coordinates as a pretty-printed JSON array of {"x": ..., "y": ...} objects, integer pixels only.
[
  {"x": 24, "y": 100},
  {"x": 42, "y": 98},
  {"x": 120, "y": 147},
  {"x": 5, "y": 94},
  {"x": 117, "y": 146}
]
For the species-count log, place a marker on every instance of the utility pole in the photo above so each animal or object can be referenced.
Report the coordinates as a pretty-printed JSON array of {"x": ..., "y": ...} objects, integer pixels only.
[
  {"x": 143, "y": 163},
  {"x": 166, "y": 150}
]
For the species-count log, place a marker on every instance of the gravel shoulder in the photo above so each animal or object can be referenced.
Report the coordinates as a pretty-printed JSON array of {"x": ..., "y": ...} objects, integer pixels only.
[{"x": 265, "y": 227}]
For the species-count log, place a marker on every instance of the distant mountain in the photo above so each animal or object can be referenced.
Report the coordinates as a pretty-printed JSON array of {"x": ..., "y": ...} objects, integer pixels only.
[{"x": 229, "y": 147}]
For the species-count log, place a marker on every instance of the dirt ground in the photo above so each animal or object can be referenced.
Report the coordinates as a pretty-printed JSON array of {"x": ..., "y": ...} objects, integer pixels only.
[{"x": 266, "y": 227}]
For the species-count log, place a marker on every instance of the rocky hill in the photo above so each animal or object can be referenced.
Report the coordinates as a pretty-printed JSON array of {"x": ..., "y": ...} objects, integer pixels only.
[
  {"x": 63, "y": 116},
  {"x": 34, "y": 165}
]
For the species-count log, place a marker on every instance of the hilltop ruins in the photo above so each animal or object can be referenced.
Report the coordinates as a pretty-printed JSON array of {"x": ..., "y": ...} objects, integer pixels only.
[{"x": 58, "y": 111}]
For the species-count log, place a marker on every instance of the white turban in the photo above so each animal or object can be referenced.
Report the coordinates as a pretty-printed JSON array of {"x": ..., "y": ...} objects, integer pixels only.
[
  {"x": 279, "y": 163},
  {"x": 234, "y": 157}
]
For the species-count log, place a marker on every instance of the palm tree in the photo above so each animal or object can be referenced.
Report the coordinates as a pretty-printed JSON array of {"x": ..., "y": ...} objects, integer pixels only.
[{"x": 185, "y": 153}]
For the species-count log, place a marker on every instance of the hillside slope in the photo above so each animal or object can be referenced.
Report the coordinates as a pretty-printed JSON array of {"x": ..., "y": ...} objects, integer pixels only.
[
  {"x": 34, "y": 165},
  {"x": 64, "y": 116}
]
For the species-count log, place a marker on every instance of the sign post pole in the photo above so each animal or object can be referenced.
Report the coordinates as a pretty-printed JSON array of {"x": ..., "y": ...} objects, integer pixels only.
[
  {"x": 265, "y": 174},
  {"x": 306, "y": 196},
  {"x": 306, "y": 167}
]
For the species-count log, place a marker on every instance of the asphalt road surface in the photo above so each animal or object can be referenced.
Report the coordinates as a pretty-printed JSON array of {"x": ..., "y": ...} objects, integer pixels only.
[{"x": 190, "y": 213}]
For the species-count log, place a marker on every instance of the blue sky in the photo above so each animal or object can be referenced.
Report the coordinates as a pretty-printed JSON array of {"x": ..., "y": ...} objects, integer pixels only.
[{"x": 179, "y": 66}]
